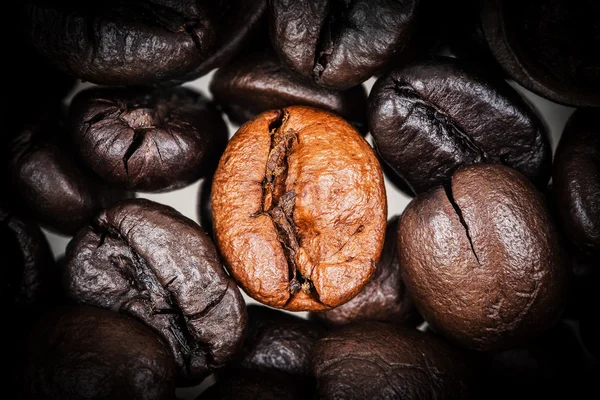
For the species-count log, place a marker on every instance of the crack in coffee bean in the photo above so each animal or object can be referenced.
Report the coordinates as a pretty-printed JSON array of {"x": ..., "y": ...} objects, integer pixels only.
[
  {"x": 461, "y": 218},
  {"x": 279, "y": 204},
  {"x": 330, "y": 31}
]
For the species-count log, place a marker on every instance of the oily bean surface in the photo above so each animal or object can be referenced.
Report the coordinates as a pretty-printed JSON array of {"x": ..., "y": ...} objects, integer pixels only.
[
  {"x": 150, "y": 140},
  {"x": 433, "y": 116},
  {"x": 482, "y": 259},
  {"x": 299, "y": 209},
  {"x": 146, "y": 260}
]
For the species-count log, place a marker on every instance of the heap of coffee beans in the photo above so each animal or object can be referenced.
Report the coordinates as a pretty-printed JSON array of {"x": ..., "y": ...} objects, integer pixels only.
[{"x": 484, "y": 286}]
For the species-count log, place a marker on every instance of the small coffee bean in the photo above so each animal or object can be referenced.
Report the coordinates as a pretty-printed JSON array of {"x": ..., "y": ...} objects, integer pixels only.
[
  {"x": 148, "y": 140},
  {"x": 482, "y": 259},
  {"x": 373, "y": 360},
  {"x": 90, "y": 353},
  {"x": 431, "y": 117},
  {"x": 299, "y": 209},
  {"x": 146, "y": 260}
]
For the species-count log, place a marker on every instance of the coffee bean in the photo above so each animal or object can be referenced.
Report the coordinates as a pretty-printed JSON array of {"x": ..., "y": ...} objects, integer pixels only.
[
  {"x": 385, "y": 297},
  {"x": 373, "y": 360},
  {"x": 250, "y": 384},
  {"x": 147, "y": 260},
  {"x": 433, "y": 116},
  {"x": 340, "y": 44},
  {"x": 544, "y": 45},
  {"x": 91, "y": 353},
  {"x": 482, "y": 259},
  {"x": 279, "y": 341},
  {"x": 299, "y": 209},
  {"x": 257, "y": 82},
  {"x": 147, "y": 139},
  {"x": 576, "y": 177},
  {"x": 47, "y": 180}
]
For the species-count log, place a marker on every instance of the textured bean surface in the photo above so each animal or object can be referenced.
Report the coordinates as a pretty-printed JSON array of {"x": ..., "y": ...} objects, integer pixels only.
[
  {"x": 385, "y": 297},
  {"x": 373, "y": 360},
  {"x": 147, "y": 139},
  {"x": 299, "y": 209},
  {"x": 279, "y": 341},
  {"x": 91, "y": 353},
  {"x": 431, "y": 117},
  {"x": 576, "y": 180},
  {"x": 339, "y": 44},
  {"x": 47, "y": 179},
  {"x": 482, "y": 259},
  {"x": 257, "y": 82},
  {"x": 147, "y": 260},
  {"x": 547, "y": 46},
  {"x": 118, "y": 42},
  {"x": 250, "y": 384}
]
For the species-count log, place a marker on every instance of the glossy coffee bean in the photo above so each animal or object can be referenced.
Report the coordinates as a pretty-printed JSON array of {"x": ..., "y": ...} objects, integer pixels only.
[
  {"x": 385, "y": 297},
  {"x": 299, "y": 209},
  {"x": 431, "y": 117},
  {"x": 482, "y": 259},
  {"x": 29, "y": 278},
  {"x": 137, "y": 43},
  {"x": 279, "y": 341},
  {"x": 340, "y": 44},
  {"x": 549, "y": 364},
  {"x": 148, "y": 140},
  {"x": 91, "y": 353},
  {"x": 251, "y": 384},
  {"x": 257, "y": 82},
  {"x": 547, "y": 46},
  {"x": 373, "y": 360},
  {"x": 146, "y": 260},
  {"x": 576, "y": 177},
  {"x": 48, "y": 181}
]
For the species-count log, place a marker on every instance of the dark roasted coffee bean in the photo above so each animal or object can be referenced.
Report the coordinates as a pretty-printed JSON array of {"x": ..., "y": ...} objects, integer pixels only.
[
  {"x": 257, "y": 82},
  {"x": 548, "y": 46},
  {"x": 373, "y": 360},
  {"x": 549, "y": 364},
  {"x": 250, "y": 384},
  {"x": 576, "y": 178},
  {"x": 54, "y": 189},
  {"x": 147, "y": 260},
  {"x": 299, "y": 209},
  {"x": 279, "y": 341},
  {"x": 339, "y": 44},
  {"x": 431, "y": 117},
  {"x": 91, "y": 353},
  {"x": 147, "y": 139},
  {"x": 482, "y": 259},
  {"x": 29, "y": 277},
  {"x": 385, "y": 297}
]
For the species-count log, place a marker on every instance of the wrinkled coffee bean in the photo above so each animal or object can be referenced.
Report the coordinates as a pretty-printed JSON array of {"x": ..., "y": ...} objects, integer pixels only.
[
  {"x": 385, "y": 297},
  {"x": 340, "y": 44},
  {"x": 56, "y": 191},
  {"x": 146, "y": 260},
  {"x": 373, "y": 360},
  {"x": 549, "y": 364},
  {"x": 576, "y": 177},
  {"x": 299, "y": 209},
  {"x": 482, "y": 259},
  {"x": 257, "y": 82},
  {"x": 91, "y": 353},
  {"x": 279, "y": 341},
  {"x": 432, "y": 117},
  {"x": 117, "y": 42},
  {"x": 547, "y": 46},
  {"x": 29, "y": 277},
  {"x": 147, "y": 139},
  {"x": 250, "y": 384},
  {"x": 241, "y": 21}
]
